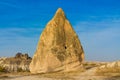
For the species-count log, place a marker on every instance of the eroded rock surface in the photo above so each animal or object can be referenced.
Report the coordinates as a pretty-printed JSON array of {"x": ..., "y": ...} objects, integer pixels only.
[
  {"x": 59, "y": 48},
  {"x": 18, "y": 63},
  {"x": 113, "y": 65}
]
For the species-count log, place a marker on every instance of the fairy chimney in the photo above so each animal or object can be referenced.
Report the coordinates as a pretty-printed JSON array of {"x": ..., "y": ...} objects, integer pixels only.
[{"x": 59, "y": 48}]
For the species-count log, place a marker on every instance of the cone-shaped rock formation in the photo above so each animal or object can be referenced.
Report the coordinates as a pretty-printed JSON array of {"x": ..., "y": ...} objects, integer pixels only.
[{"x": 59, "y": 48}]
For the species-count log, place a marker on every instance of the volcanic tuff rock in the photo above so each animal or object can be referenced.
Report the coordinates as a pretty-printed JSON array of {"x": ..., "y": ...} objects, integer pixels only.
[
  {"x": 59, "y": 48},
  {"x": 16, "y": 64},
  {"x": 115, "y": 64}
]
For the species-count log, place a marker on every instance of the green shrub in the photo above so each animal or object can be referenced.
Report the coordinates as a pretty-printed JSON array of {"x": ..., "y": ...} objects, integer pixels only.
[
  {"x": 2, "y": 69},
  {"x": 19, "y": 70}
]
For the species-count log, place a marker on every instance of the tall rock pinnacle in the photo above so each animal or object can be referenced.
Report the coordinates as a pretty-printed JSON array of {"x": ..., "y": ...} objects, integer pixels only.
[
  {"x": 59, "y": 13},
  {"x": 59, "y": 48}
]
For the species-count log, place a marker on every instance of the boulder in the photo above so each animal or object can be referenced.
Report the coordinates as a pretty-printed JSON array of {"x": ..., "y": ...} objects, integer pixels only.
[{"x": 59, "y": 48}]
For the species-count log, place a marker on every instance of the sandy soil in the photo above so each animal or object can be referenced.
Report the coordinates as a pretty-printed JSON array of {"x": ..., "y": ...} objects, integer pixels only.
[
  {"x": 75, "y": 78},
  {"x": 87, "y": 75}
]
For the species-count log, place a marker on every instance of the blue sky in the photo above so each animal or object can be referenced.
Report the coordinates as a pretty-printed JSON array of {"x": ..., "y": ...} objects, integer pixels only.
[{"x": 97, "y": 23}]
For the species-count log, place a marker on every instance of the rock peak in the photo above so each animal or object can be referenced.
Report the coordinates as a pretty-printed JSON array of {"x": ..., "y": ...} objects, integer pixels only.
[
  {"x": 59, "y": 10},
  {"x": 59, "y": 13}
]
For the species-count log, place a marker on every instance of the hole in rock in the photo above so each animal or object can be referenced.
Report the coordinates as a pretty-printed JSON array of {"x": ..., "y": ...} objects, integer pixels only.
[{"x": 65, "y": 47}]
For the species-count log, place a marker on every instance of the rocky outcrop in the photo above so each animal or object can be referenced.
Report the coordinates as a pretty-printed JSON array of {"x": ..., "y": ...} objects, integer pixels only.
[
  {"x": 110, "y": 68},
  {"x": 59, "y": 48},
  {"x": 16, "y": 64},
  {"x": 115, "y": 64},
  {"x": 22, "y": 56}
]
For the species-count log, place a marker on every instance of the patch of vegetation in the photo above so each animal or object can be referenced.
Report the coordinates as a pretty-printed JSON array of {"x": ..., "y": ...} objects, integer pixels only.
[
  {"x": 2, "y": 69},
  {"x": 21, "y": 70}
]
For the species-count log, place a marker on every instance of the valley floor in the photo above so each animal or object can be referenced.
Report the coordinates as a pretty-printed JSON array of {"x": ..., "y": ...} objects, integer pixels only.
[
  {"x": 87, "y": 75},
  {"x": 72, "y": 78}
]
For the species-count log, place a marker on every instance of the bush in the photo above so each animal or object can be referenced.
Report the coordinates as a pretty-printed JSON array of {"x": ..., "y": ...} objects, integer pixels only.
[
  {"x": 2, "y": 69},
  {"x": 19, "y": 70}
]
